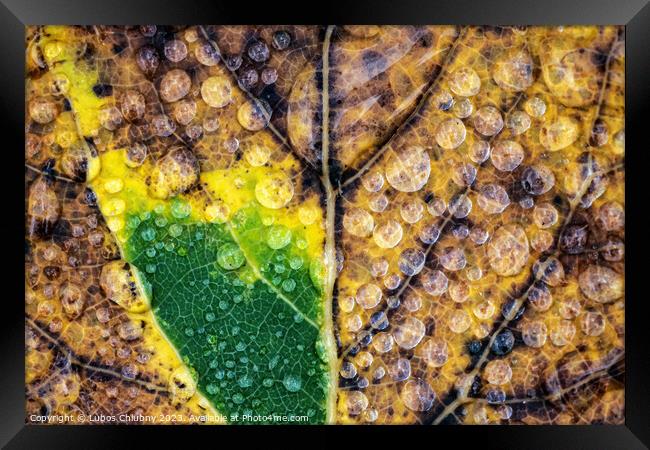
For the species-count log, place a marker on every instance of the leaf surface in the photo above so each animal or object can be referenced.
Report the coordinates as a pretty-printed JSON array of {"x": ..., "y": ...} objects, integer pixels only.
[{"x": 352, "y": 224}]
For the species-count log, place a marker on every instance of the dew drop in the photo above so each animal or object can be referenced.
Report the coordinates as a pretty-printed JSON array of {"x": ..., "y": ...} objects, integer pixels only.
[
  {"x": 417, "y": 395},
  {"x": 409, "y": 333},
  {"x": 274, "y": 191},
  {"x": 368, "y": 295},
  {"x": 356, "y": 402},
  {"x": 408, "y": 170},
  {"x": 358, "y": 222},
  {"x": 465, "y": 82},
  {"x": 257, "y": 155},
  {"x": 278, "y": 236},
  {"x": 493, "y": 199},
  {"x": 400, "y": 370},
  {"x": 450, "y": 134},
  {"x": 253, "y": 115},
  {"x": 459, "y": 321},
  {"x": 216, "y": 91},
  {"x": 388, "y": 235},
  {"x": 508, "y": 250},
  {"x": 434, "y": 282},
  {"x": 488, "y": 120},
  {"x": 230, "y": 256},
  {"x": 507, "y": 155},
  {"x": 411, "y": 261}
]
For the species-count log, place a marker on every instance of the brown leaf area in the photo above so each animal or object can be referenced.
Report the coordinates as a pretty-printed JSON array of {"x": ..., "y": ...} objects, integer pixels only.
[
  {"x": 475, "y": 182},
  {"x": 487, "y": 251}
]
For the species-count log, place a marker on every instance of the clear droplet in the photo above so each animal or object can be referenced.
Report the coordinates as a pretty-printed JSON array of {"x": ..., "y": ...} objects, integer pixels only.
[
  {"x": 216, "y": 91},
  {"x": 409, "y": 169},
  {"x": 274, "y": 191},
  {"x": 388, "y": 235}
]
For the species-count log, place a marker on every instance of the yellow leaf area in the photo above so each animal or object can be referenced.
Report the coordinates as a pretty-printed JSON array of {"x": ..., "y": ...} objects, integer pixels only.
[{"x": 463, "y": 187}]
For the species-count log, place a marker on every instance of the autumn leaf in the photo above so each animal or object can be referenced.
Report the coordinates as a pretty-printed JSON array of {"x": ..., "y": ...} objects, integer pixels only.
[{"x": 350, "y": 224}]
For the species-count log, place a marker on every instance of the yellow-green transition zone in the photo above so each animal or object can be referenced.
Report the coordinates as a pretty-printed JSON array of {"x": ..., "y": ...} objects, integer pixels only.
[{"x": 236, "y": 288}]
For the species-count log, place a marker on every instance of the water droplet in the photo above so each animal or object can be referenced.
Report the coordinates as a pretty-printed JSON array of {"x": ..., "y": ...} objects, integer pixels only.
[
  {"x": 400, "y": 370},
  {"x": 175, "y": 230},
  {"x": 460, "y": 205},
  {"x": 382, "y": 342},
  {"x": 113, "y": 207},
  {"x": 463, "y": 108},
  {"x": 479, "y": 152},
  {"x": 245, "y": 382},
  {"x": 278, "y": 236},
  {"x": 497, "y": 372},
  {"x": 434, "y": 282},
  {"x": 459, "y": 321},
  {"x": 436, "y": 207},
  {"x": 508, "y": 250},
  {"x": 518, "y": 122},
  {"x": 388, "y": 235},
  {"x": 463, "y": 174},
  {"x": 488, "y": 120},
  {"x": 507, "y": 155},
  {"x": 378, "y": 203},
  {"x": 417, "y": 395},
  {"x": 281, "y": 39},
  {"x": 180, "y": 209},
  {"x": 465, "y": 82},
  {"x": 253, "y": 115},
  {"x": 356, "y": 402},
  {"x": 372, "y": 181},
  {"x": 409, "y": 333},
  {"x": 174, "y": 85},
  {"x": 411, "y": 261},
  {"x": 429, "y": 234},
  {"x": 230, "y": 256},
  {"x": 257, "y": 155},
  {"x": 435, "y": 352},
  {"x": 450, "y": 134},
  {"x": 563, "y": 333},
  {"x": 537, "y": 180},
  {"x": 113, "y": 185},
  {"x": 534, "y": 334},
  {"x": 358, "y": 222},
  {"x": 274, "y": 191},
  {"x": 216, "y": 91},
  {"x": 535, "y": 106},
  {"x": 175, "y": 50},
  {"x": 292, "y": 383},
  {"x": 453, "y": 258},
  {"x": 545, "y": 215},
  {"x": 148, "y": 234},
  {"x": 368, "y": 296},
  {"x": 348, "y": 370},
  {"x": 493, "y": 199},
  {"x": 513, "y": 70},
  {"x": 206, "y": 54},
  {"x": 459, "y": 291},
  {"x": 601, "y": 284},
  {"x": 288, "y": 285},
  {"x": 411, "y": 211},
  {"x": 408, "y": 170},
  {"x": 559, "y": 134}
]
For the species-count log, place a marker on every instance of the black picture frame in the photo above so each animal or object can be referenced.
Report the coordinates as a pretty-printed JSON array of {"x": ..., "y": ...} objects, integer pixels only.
[{"x": 634, "y": 14}]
